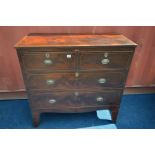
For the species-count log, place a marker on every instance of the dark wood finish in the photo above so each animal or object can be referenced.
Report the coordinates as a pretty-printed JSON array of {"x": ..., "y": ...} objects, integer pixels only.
[
  {"x": 23, "y": 94},
  {"x": 78, "y": 78},
  {"x": 36, "y": 118},
  {"x": 86, "y": 80},
  {"x": 74, "y": 99},
  {"x": 47, "y": 40},
  {"x": 35, "y": 61},
  {"x": 117, "y": 60},
  {"x": 141, "y": 72},
  {"x": 114, "y": 113}
]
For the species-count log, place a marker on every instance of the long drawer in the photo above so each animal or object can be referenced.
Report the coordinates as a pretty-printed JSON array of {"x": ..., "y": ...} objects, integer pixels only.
[
  {"x": 75, "y": 99},
  {"x": 85, "y": 80}
]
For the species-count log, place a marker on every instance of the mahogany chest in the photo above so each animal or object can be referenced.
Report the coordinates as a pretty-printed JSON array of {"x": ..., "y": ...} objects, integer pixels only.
[{"x": 74, "y": 73}]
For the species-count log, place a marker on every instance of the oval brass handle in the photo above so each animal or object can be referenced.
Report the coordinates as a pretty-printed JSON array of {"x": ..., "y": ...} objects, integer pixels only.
[
  {"x": 69, "y": 56},
  {"x": 48, "y": 62},
  {"x": 76, "y": 93},
  {"x": 105, "y": 61},
  {"x": 51, "y": 101},
  {"x": 76, "y": 74},
  {"x": 102, "y": 80},
  {"x": 99, "y": 99},
  {"x": 50, "y": 82}
]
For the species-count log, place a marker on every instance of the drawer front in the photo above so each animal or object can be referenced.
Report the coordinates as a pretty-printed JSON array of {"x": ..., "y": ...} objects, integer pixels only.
[
  {"x": 51, "y": 81},
  {"x": 101, "y": 79},
  {"x": 75, "y": 99},
  {"x": 49, "y": 61},
  {"x": 105, "y": 60},
  {"x": 86, "y": 80}
]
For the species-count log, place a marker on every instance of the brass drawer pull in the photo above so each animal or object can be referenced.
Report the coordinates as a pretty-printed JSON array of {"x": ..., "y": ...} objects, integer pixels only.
[
  {"x": 48, "y": 62},
  {"x": 76, "y": 93},
  {"x": 102, "y": 80},
  {"x": 76, "y": 74},
  {"x": 50, "y": 82},
  {"x": 69, "y": 56},
  {"x": 99, "y": 99},
  {"x": 105, "y": 61},
  {"x": 51, "y": 101}
]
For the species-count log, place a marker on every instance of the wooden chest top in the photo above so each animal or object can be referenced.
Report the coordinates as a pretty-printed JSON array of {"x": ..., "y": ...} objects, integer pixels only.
[{"x": 67, "y": 40}]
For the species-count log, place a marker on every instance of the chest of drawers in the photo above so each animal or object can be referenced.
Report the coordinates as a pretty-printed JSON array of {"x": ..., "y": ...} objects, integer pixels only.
[{"x": 74, "y": 73}]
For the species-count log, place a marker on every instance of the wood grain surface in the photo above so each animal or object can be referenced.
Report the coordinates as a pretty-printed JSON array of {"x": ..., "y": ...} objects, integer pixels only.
[
  {"x": 47, "y": 40},
  {"x": 65, "y": 81},
  {"x": 96, "y": 88},
  {"x": 141, "y": 74},
  {"x": 65, "y": 100}
]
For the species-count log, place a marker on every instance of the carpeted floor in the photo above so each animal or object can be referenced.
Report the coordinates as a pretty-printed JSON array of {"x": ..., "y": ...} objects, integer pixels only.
[{"x": 136, "y": 111}]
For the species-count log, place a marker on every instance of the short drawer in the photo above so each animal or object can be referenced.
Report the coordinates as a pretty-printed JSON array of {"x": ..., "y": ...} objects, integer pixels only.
[
  {"x": 104, "y": 60},
  {"x": 75, "y": 99},
  {"x": 49, "y": 61},
  {"x": 85, "y": 80}
]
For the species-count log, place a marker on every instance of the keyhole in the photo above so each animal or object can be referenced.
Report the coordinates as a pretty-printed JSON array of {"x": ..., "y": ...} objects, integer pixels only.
[{"x": 47, "y": 55}]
